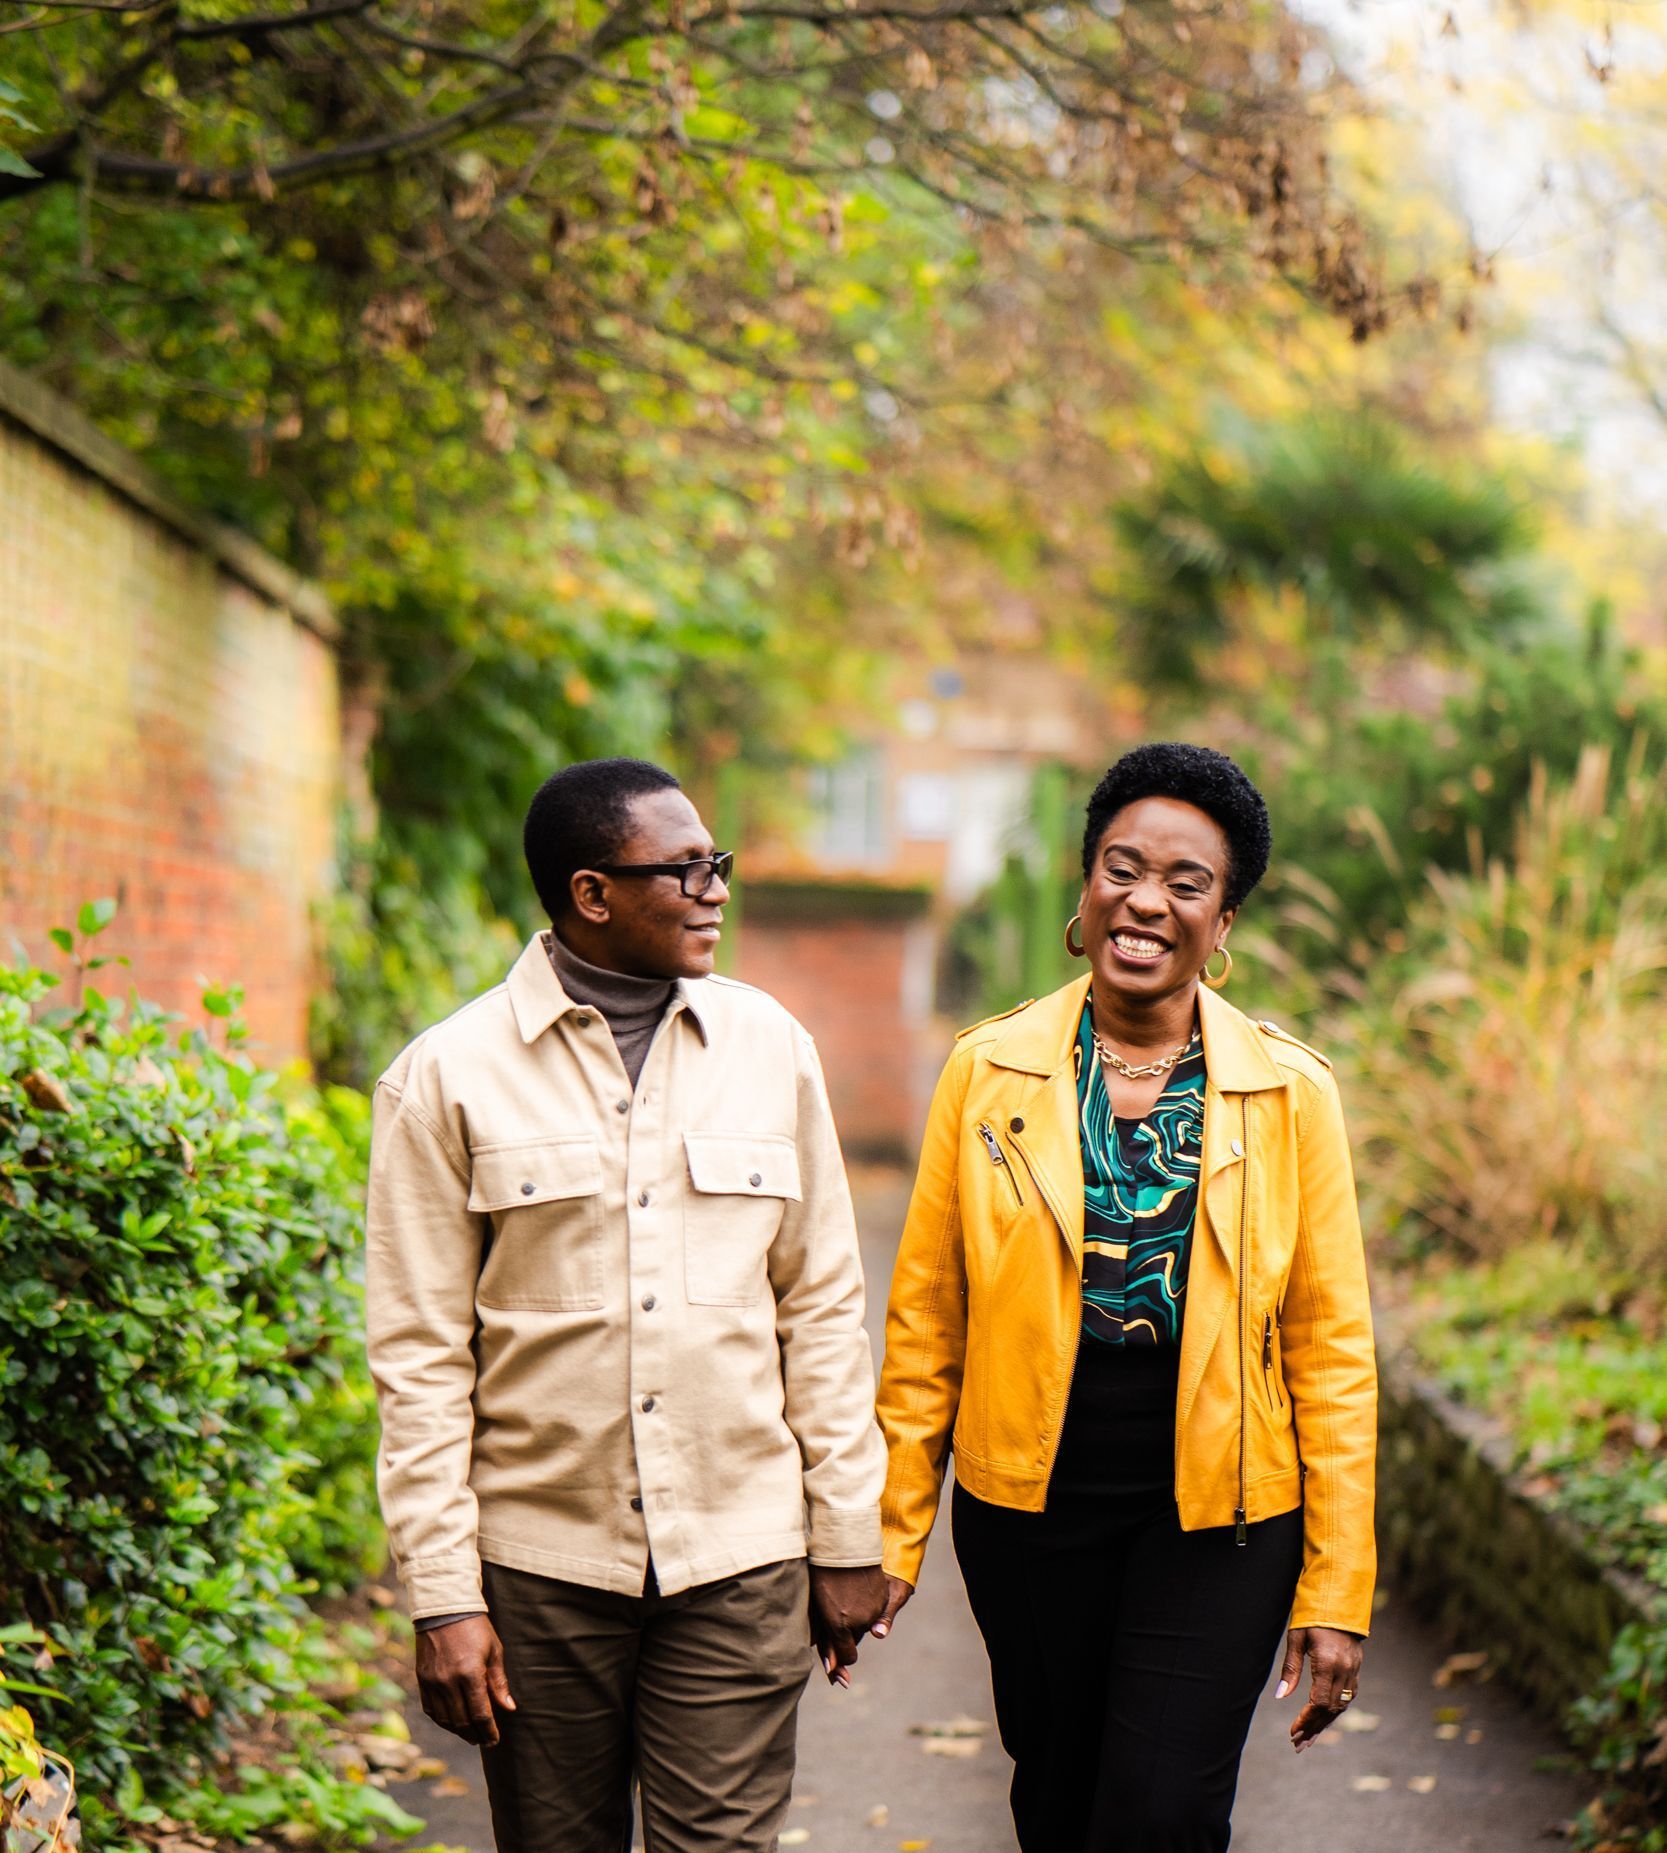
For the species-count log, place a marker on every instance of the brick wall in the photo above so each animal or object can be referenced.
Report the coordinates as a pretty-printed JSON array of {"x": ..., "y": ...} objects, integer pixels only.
[
  {"x": 854, "y": 965},
  {"x": 169, "y": 729}
]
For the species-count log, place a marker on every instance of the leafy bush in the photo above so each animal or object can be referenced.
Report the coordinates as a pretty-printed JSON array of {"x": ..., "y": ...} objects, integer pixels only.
[{"x": 177, "y": 1297}]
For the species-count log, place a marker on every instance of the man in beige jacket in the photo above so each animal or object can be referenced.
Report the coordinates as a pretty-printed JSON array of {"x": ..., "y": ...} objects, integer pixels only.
[{"x": 615, "y": 1321}]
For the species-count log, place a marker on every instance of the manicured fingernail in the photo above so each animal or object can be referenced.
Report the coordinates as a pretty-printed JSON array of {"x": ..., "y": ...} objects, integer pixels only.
[
  {"x": 1282, "y": 1688},
  {"x": 881, "y": 1630}
]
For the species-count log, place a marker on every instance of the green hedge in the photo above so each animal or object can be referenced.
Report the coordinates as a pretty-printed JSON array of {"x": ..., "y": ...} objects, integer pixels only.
[{"x": 184, "y": 1427}]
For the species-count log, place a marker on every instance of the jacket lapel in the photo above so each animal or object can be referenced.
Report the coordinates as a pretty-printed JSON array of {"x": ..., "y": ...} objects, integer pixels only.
[{"x": 1043, "y": 1130}]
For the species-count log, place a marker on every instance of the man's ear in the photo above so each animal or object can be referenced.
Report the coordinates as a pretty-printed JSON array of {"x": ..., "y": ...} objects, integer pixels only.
[{"x": 590, "y": 896}]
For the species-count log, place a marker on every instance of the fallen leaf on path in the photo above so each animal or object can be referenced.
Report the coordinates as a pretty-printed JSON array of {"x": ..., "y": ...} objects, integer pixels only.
[
  {"x": 1372, "y": 1785},
  {"x": 449, "y": 1785},
  {"x": 1473, "y": 1737},
  {"x": 380, "y": 1596},
  {"x": 429, "y": 1767},
  {"x": 806, "y": 1801},
  {"x": 1448, "y": 1714},
  {"x": 1458, "y": 1667},
  {"x": 1355, "y": 1722},
  {"x": 951, "y": 1746},
  {"x": 387, "y": 1752},
  {"x": 913, "y": 1846},
  {"x": 794, "y": 1837},
  {"x": 392, "y": 1725},
  {"x": 953, "y": 1727},
  {"x": 878, "y": 1816},
  {"x": 1446, "y": 1733},
  {"x": 1421, "y": 1785}
]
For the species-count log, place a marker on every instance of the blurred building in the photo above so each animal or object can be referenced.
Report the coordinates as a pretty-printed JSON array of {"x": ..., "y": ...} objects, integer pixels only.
[{"x": 847, "y": 923}]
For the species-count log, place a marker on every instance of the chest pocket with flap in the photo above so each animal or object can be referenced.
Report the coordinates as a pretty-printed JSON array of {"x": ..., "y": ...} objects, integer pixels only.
[
  {"x": 740, "y": 1184},
  {"x": 545, "y": 1200}
]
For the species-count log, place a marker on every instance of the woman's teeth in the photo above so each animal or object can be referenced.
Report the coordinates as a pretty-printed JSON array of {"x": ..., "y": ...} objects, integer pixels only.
[{"x": 1134, "y": 947}]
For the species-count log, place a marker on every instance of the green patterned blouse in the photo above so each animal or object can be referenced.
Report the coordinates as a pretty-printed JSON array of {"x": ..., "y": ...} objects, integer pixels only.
[{"x": 1140, "y": 1191}]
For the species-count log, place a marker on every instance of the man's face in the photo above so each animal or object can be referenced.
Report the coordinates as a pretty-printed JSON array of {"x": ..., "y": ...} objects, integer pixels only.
[{"x": 645, "y": 924}]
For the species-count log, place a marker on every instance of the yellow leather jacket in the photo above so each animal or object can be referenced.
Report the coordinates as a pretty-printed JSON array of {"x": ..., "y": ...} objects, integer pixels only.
[{"x": 1278, "y": 1384}]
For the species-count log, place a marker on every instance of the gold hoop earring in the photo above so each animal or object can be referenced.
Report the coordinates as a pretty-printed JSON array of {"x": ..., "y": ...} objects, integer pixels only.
[
  {"x": 1218, "y": 984},
  {"x": 1076, "y": 951}
]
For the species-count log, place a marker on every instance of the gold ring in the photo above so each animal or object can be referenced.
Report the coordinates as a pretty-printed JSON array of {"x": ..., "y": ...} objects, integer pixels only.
[{"x": 1345, "y": 1696}]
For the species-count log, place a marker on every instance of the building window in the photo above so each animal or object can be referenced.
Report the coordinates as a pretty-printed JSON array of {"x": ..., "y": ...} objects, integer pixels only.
[{"x": 850, "y": 802}]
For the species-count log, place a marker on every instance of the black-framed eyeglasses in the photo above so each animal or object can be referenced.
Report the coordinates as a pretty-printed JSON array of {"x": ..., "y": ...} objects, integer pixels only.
[{"x": 696, "y": 877}]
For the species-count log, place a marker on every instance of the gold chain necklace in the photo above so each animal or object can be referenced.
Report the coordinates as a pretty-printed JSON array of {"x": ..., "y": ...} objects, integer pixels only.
[{"x": 1133, "y": 1071}]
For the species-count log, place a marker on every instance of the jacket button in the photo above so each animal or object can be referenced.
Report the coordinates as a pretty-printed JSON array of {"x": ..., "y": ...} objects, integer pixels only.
[
  {"x": 755, "y": 1180},
  {"x": 648, "y": 1405},
  {"x": 642, "y": 1198},
  {"x": 1236, "y": 1149},
  {"x": 636, "y": 1505},
  {"x": 582, "y": 1021},
  {"x": 649, "y": 1302},
  {"x": 528, "y": 1189},
  {"x": 1015, "y": 1125},
  {"x": 622, "y": 1106}
]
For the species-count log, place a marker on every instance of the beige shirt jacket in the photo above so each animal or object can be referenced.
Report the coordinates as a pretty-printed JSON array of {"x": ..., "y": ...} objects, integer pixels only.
[{"x": 608, "y": 1327}]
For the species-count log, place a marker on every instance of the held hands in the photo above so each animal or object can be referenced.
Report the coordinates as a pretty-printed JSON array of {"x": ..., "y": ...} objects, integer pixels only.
[
  {"x": 1336, "y": 1659},
  {"x": 844, "y": 1605},
  {"x": 460, "y": 1676}
]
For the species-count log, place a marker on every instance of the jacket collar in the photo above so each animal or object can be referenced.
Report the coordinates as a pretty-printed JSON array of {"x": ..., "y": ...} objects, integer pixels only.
[
  {"x": 1038, "y": 1040},
  {"x": 538, "y": 1000}
]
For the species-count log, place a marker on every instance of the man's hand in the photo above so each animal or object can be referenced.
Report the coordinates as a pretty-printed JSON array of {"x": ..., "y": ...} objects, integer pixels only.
[
  {"x": 460, "y": 1675},
  {"x": 844, "y": 1605},
  {"x": 1336, "y": 1659}
]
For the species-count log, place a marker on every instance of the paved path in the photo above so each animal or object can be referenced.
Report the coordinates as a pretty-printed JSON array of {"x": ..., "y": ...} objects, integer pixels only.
[{"x": 870, "y": 1782}]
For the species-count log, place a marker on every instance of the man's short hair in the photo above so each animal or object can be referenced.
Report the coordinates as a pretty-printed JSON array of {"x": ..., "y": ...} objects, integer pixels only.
[{"x": 579, "y": 817}]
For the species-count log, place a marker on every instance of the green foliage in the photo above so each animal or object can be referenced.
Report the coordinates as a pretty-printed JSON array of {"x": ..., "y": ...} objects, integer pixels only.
[
  {"x": 1623, "y": 1729},
  {"x": 1363, "y": 537},
  {"x": 301, "y": 1795},
  {"x": 177, "y": 1298},
  {"x": 1368, "y": 801},
  {"x": 402, "y": 954}
]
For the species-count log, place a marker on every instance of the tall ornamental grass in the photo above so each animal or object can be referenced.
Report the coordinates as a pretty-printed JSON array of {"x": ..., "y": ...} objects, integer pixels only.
[{"x": 1510, "y": 1068}]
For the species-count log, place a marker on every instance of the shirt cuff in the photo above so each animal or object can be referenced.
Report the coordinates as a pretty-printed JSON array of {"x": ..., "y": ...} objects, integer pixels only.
[
  {"x": 844, "y": 1538},
  {"x": 443, "y": 1587},
  {"x": 429, "y": 1622}
]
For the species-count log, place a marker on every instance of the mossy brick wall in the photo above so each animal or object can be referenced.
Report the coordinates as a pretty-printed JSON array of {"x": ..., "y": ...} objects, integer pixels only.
[
  {"x": 1498, "y": 1570},
  {"x": 169, "y": 733}
]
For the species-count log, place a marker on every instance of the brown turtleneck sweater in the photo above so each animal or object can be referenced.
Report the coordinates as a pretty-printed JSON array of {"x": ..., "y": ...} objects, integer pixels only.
[{"x": 631, "y": 1007}]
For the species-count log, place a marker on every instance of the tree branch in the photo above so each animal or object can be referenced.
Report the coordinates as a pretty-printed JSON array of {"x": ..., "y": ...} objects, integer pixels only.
[{"x": 264, "y": 23}]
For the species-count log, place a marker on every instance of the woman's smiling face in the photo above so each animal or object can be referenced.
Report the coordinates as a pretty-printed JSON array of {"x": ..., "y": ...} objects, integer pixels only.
[{"x": 1153, "y": 905}]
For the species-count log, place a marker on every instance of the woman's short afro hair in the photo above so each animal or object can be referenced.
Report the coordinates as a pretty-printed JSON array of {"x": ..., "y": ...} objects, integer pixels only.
[{"x": 1196, "y": 775}]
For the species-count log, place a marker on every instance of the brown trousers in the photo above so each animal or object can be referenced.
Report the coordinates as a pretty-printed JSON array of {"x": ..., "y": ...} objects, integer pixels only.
[{"x": 696, "y": 1694}]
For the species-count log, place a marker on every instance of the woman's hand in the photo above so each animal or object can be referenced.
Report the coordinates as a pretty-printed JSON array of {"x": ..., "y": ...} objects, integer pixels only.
[
  {"x": 1336, "y": 1659},
  {"x": 897, "y": 1593}
]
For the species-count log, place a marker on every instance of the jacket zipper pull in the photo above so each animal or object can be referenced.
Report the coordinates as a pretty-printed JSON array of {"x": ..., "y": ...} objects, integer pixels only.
[
  {"x": 1267, "y": 1341},
  {"x": 999, "y": 1159},
  {"x": 1239, "y": 1528}
]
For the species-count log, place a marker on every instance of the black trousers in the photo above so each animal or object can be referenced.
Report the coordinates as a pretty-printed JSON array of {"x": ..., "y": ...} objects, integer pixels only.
[{"x": 1126, "y": 1655}]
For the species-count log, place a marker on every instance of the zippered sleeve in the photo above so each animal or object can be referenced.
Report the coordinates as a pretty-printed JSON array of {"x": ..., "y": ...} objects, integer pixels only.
[
  {"x": 1330, "y": 1371},
  {"x": 926, "y": 1334}
]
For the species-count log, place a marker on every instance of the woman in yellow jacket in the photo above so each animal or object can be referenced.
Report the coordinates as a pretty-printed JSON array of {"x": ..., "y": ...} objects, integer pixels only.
[{"x": 1131, "y": 1296}]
